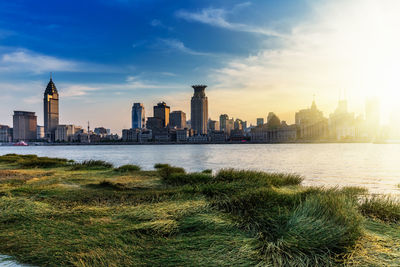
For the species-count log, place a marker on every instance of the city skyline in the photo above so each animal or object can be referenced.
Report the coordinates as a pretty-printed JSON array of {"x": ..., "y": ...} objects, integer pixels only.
[{"x": 260, "y": 56}]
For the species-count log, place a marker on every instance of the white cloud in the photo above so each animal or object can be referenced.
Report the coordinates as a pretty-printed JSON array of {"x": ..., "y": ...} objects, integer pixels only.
[
  {"x": 180, "y": 46},
  {"x": 217, "y": 17},
  {"x": 23, "y": 60}
]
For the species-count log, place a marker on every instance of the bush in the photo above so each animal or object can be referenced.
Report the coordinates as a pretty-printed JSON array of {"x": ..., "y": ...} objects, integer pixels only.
[
  {"x": 383, "y": 208},
  {"x": 43, "y": 162},
  {"x": 167, "y": 171},
  {"x": 208, "y": 171},
  {"x": 92, "y": 165},
  {"x": 128, "y": 168},
  {"x": 262, "y": 178},
  {"x": 190, "y": 178},
  {"x": 161, "y": 165}
]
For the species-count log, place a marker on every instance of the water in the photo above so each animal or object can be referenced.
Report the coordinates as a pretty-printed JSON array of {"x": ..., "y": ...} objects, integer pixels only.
[{"x": 375, "y": 166}]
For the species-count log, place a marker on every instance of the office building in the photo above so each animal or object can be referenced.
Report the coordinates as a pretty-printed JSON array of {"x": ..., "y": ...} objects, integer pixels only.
[
  {"x": 51, "y": 109},
  {"x": 24, "y": 126},
  {"x": 311, "y": 123},
  {"x": 64, "y": 133},
  {"x": 138, "y": 116},
  {"x": 213, "y": 125},
  {"x": 40, "y": 134},
  {"x": 260, "y": 121},
  {"x": 161, "y": 111},
  {"x": 177, "y": 119},
  {"x": 199, "y": 109},
  {"x": 5, "y": 134}
]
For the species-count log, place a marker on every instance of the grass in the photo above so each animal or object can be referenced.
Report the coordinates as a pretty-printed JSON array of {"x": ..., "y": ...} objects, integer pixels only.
[
  {"x": 127, "y": 168},
  {"x": 91, "y": 165},
  {"x": 383, "y": 208},
  {"x": 95, "y": 215}
]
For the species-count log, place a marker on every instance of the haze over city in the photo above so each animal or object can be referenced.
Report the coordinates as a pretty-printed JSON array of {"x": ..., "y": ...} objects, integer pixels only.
[{"x": 255, "y": 57}]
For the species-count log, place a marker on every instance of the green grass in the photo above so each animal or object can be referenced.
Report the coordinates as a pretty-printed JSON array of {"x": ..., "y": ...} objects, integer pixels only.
[
  {"x": 128, "y": 168},
  {"x": 95, "y": 215},
  {"x": 91, "y": 165},
  {"x": 383, "y": 208}
]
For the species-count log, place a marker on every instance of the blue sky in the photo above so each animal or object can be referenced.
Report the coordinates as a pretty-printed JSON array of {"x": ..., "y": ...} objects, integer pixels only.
[{"x": 107, "y": 54}]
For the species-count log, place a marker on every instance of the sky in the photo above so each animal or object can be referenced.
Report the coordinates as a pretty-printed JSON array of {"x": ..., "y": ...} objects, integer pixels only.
[{"x": 255, "y": 56}]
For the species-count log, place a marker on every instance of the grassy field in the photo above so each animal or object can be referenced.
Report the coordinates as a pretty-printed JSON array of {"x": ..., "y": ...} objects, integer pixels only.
[{"x": 55, "y": 212}]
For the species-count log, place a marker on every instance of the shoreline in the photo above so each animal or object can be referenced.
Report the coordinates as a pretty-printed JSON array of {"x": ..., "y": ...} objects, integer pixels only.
[{"x": 198, "y": 143}]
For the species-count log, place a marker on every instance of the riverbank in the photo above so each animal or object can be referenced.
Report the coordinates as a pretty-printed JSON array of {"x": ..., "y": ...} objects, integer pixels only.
[
  {"x": 121, "y": 143},
  {"x": 57, "y": 212}
]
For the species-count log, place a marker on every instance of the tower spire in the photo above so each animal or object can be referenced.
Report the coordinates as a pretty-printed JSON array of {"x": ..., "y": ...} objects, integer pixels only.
[{"x": 51, "y": 76}]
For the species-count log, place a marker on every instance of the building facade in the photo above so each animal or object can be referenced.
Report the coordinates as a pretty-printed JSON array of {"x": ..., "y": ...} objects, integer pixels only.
[
  {"x": 161, "y": 111},
  {"x": 64, "y": 133},
  {"x": 311, "y": 124},
  {"x": 40, "y": 134},
  {"x": 24, "y": 126},
  {"x": 51, "y": 108},
  {"x": 260, "y": 121},
  {"x": 199, "y": 109},
  {"x": 177, "y": 119},
  {"x": 5, "y": 134},
  {"x": 138, "y": 116}
]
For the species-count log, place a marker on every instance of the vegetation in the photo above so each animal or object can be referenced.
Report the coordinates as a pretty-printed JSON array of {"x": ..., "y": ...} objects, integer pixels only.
[
  {"x": 101, "y": 216},
  {"x": 383, "y": 208},
  {"x": 91, "y": 165},
  {"x": 128, "y": 168}
]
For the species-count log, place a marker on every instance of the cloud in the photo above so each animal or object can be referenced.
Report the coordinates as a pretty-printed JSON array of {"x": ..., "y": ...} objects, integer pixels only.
[
  {"x": 349, "y": 45},
  {"x": 180, "y": 46},
  {"x": 217, "y": 17},
  {"x": 23, "y": 60}
]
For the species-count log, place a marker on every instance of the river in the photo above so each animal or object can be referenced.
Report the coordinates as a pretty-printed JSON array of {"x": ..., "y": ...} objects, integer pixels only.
[{"x": 374, "y": 166}]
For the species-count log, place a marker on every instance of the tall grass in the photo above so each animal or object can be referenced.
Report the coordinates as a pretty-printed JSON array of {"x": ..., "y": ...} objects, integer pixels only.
[
  {"x": 33, "y": 161},
  {"x": 127, "y": 168},
  {"x": 383, "y": 208},
  {"x": 91, "y": 165}
]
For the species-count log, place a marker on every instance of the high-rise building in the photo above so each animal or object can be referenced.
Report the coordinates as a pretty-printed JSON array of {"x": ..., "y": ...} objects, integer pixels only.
[
  {"x": 312, "y": 124},
  {"x": 226, "y": 124},
  {"x": 138, "y": 116},
  {"x": 5, "y": 134},
  {"x": 199, "y": 109},
  {"x": 51, "y": 113},
  {"x": 372, "y": 117},
  {"x": 24, "y": 126},
  {"x": 222, "y": 121},
  {"x": 213, "y": 125},
  {"x": 177, "y": 119},
  {"x": 260, "y": 121},
  {"x": 161, "y": 111},
  {"x": 40, "y": 132}
]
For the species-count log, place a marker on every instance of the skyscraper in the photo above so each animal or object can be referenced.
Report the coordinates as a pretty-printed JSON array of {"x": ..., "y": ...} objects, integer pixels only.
[
  {"x": 199, "y": 110},
  {"x": 161, "y": 111},
  {"x": 138, "y": 116},
  {"x": 51, "y": 114},
  {"x": 177, "y": 119},
  {"x": 24, "y": 124}
]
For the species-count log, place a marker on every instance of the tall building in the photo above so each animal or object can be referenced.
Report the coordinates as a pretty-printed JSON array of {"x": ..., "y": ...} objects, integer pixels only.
[
  {"x": 24, "y": 126},
  {"x": 138, "y": 116},
  {"x": 312, "y": 124},
  {"x": 177, "y": 119},
  {"x": 213, "y": 125},
  {"x": 40, "y": 132},
  {"x": 161, "y": 111},
  {"x": 260, "y": 121},
  {"x": 372, "y": 117},
  {"x": 5, "y": 134},
  {"x": 226, "y": 124},
  {"x": 199, "y": 109},
  {"x": 51, "y": 114}
]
